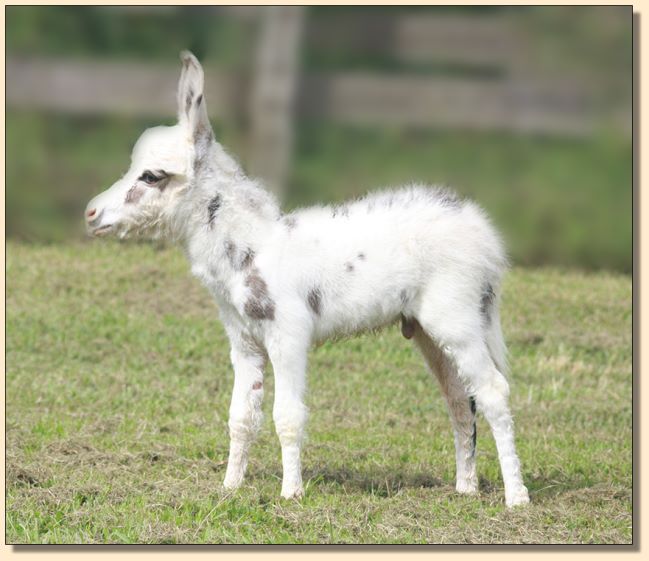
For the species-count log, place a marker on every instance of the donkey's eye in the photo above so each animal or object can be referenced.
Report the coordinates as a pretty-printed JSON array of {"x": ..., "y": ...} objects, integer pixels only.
[{"x": 149, "y": 178}]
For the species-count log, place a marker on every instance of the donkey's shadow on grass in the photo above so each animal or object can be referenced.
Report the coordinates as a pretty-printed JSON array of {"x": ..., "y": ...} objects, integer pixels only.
[
  {"x": 388, "y": 482},
  {"x": 383, "y": 482}
]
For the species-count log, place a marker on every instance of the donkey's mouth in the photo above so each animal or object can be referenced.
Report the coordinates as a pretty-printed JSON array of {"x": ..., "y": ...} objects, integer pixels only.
[{"x": 102, "y": 230}]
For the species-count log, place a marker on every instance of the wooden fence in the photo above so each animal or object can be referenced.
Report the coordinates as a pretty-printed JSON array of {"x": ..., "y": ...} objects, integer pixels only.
[
  {"x": 512, "y": 97},
  {"x": 522, "y": 104}
]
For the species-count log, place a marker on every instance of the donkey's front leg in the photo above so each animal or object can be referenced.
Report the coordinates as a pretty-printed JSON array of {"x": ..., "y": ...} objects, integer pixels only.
[
  {"x": 289, "y": 412},
  {"x": 248, "y": 361}
]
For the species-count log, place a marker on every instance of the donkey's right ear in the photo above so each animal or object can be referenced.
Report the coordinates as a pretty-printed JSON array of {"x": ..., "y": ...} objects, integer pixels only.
[{"x": 192, "y": 111}]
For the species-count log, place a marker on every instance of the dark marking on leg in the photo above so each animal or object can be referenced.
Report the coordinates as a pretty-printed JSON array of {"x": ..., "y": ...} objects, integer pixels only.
[
  {"x": 486, "y": 302},
  {"x": 408, "y": 326},
  {"x": 212, "y": 207},
  {"x": 474, "y": 433},
  {"x": 315, "y": 300},
  {"x": 199, "y": 100},
  {"x": 259, "y": 304},
  {"x": 257, "y": 385}
]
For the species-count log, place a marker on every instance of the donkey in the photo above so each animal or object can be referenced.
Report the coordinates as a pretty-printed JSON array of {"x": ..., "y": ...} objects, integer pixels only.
[{"x": 283, "y": 282}]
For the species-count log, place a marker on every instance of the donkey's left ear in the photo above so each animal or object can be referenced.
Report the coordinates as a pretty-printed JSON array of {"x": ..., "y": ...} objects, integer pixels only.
[{"x": 192, "y": 110}]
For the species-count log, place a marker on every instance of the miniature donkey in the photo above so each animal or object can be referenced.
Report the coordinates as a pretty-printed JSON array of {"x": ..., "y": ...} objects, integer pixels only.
[{"x": 285, "y": 281}]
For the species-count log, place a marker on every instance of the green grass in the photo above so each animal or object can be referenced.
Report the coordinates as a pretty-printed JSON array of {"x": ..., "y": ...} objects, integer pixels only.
[{"x": 118, "y": 387}]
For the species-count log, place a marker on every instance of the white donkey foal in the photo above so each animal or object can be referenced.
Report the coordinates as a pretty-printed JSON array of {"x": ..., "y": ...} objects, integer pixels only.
[{"x": 283, "y": 282}]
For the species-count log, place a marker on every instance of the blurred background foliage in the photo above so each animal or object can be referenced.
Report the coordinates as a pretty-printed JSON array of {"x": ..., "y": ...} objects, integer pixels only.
[{"x": 561, "y": 199}]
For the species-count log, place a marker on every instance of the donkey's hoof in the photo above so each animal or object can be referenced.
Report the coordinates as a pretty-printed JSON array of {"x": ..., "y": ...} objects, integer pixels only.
[
  {"x": 466, "y": 488},
  {"x": 231, "y": 484},
  {"x": 295, "y": 493},
  {"x": 520, "y": 497}
]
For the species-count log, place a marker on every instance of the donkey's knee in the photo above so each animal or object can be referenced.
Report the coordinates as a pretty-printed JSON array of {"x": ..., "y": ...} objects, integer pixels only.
[
  {"x": 290, "y": 420},
  {"x": 492, "y": 396},
  {"x": 246, "y": 416}
]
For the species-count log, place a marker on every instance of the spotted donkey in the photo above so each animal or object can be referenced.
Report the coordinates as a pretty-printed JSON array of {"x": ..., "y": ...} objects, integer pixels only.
[{"x": 283, "y": 282}]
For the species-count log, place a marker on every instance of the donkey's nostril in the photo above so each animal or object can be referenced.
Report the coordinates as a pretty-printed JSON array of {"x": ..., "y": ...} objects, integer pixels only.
[{"x": 90, "y": 214}]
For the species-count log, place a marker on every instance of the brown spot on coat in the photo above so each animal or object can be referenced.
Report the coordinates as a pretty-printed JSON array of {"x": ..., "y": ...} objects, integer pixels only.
[
  {"x": 408, "y": 326},
  {"x": 257, "y": 385},
  {"x": 314, "y": 298},
  {"x": 259, "y": 304},
  {"x": 133, "y": 195}
]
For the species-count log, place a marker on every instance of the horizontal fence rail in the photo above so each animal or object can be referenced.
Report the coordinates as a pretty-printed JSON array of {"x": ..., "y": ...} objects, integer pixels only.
[{"x": 521, "y": 104}]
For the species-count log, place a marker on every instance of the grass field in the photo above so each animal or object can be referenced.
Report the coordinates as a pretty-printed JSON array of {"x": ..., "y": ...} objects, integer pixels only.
[{"x": 118, "y": 386}]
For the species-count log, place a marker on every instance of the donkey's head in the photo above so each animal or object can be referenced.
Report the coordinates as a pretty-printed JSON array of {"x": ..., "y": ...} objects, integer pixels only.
[{"x": 164, "y": 165}]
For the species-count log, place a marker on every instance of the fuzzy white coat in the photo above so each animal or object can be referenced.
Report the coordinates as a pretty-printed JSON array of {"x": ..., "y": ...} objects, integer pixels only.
[{"x": 416, "y": 254}]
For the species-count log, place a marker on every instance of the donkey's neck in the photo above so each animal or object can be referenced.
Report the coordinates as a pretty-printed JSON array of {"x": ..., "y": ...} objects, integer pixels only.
[{"x": 224, "y": 219}]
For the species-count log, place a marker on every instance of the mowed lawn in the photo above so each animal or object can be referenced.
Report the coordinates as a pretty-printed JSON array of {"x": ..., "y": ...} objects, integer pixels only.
[{"x": 118, "y": 386}]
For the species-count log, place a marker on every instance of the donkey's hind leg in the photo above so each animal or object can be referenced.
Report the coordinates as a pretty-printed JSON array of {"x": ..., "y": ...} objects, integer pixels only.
[
  {"x": 461, "y": 408},
  {"x": 491, "y": 390}
]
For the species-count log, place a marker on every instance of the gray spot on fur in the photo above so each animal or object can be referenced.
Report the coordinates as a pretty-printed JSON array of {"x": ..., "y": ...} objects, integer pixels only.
[
  {"x": 403, "y": 296},
  {"x": 188, "y": 100},
  {"x": 340, "y": 210},
  {"x": 315, "y": 300},
  {"x": 290, "y": 222},
  {"x": 486, "y": 302},
  {"x": 230, "y": 252},
  {"x": 349, "y": 265},
  {"x": 247, "y": 258},
  {"x": 212, "y": 207},
  {"x": 259, "y": 304},
  {"x": 239, "y": 260},
  {"x": 203, "y": 137},
  {"x": 450, "y": 200}
]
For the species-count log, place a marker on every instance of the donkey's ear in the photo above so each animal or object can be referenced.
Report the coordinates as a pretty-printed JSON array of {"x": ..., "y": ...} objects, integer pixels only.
[{"x": 192, "y": 111}]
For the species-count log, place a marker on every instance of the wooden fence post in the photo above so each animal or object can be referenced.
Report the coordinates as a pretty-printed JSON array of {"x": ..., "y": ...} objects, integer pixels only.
[{"x": 275, "y": 82}]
